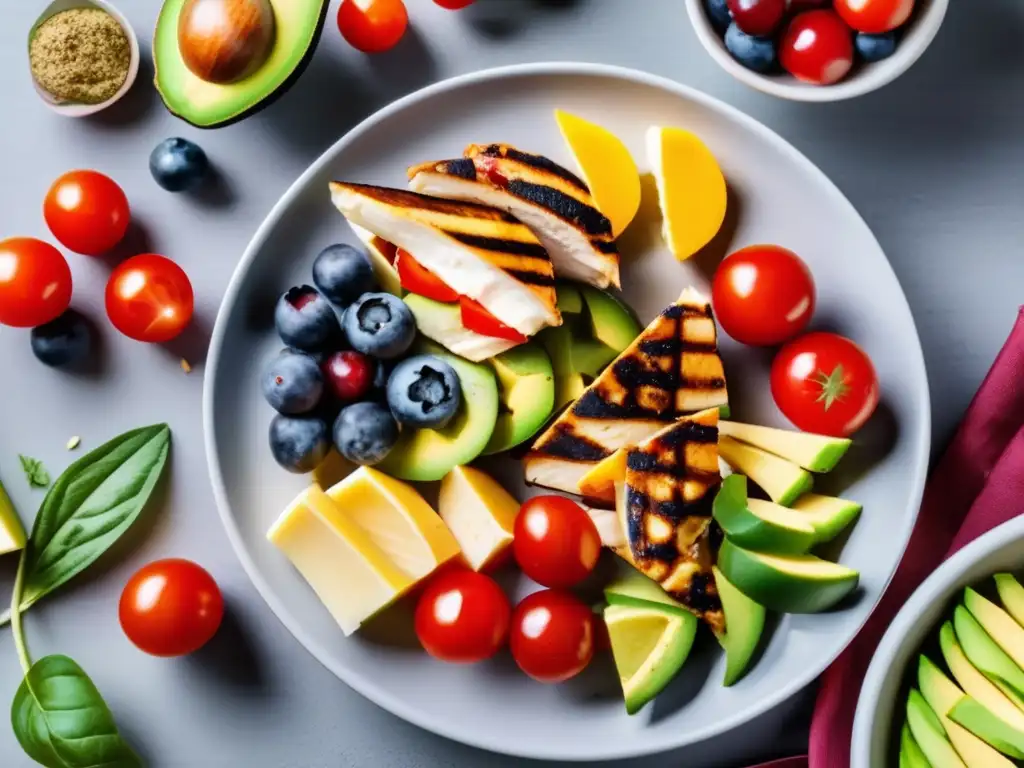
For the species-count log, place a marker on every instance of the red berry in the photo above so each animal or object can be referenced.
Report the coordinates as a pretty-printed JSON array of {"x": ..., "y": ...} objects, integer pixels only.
[
  {"x": 817, "y": 47},
  {"x": 349, "y": 375},
  {"x": 757, "y": 17},
  {"x": 454, "y": 5},
  {"x": 874, "y": 17}
]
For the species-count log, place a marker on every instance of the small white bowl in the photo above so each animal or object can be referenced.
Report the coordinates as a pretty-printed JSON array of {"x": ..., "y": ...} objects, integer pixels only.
[
  {"x": 864, "y": 78},
  {"x": 880, "y": 707},
  {"x": 70, "y": 109}
]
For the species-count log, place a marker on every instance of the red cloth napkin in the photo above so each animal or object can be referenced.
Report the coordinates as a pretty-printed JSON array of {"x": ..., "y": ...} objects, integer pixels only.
[{"x": 976, "y": 485}]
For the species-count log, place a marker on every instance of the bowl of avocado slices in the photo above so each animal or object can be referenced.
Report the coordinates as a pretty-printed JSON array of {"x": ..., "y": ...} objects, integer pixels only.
[{"x": 946, "y": 684}]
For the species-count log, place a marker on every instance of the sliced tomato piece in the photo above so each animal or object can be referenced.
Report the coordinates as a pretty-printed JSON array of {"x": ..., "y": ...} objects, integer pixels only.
[
  {"x": 478, "y": 319},
  {"x": 417, "y": 279}
]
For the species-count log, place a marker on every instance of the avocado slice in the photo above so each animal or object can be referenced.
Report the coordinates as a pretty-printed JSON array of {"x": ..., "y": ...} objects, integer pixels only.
[
  {"x": 611, "y": 322},
  {"x": 429, "y": 454},
  {"x": 911, "y": 755},
  {"x": 298, "y": 24},
  {"x": 997, "y": 623},
  {"x": 761, "y": 526},
  {"x": 526, "y": 384},
  {"x": 634, "y": 589},
  {"x": 12, "y": 532},
  {"x": 744, "y": 624},
  {"x": 558, "y": 344},
  {"x": 942, "y": 696},
  {"x": 986, "y": 655},
  {"x": 828, "y": 515},
  {"x": 1011, "y": 593},
  {"x": 929, "y": 734},
  {"x": 988, "y": 728},
  {"x": 816, "y": 453},
  {"x": 570, "y": 299},
  {"x": 975, "y": 684},
  {"x": 786, "y": 583},
  {"x": 782, "y": 480}
]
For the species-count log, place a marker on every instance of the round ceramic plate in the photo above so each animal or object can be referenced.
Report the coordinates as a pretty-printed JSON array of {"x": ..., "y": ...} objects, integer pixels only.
[{"x": 777, "y": 196}]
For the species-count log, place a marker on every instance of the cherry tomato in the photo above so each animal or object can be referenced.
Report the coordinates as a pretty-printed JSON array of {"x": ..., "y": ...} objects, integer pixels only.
[
  {"x": 349, "y": 375},
  {"x": 552, "y": 636},
  {"x": 417, "y": 279},
  {"x": 478, "y": 319},
  {"x": 454, "y": 5},
  {"x": 817, "y": 47},
  {"x": 874, "y": 16},
  {"x": 763, "y": 295},
  {"x": 87, "y": 212},
  {"x": 372, "y": 26},
  {"x": 757, "y": 17},
  {"x": 171, "y": 608},
  {"x": 825, "y": 383},
  {"x": 35, "y": 282},
  {"x": 462, "y": 617},
  {"x": 555, "y": 542},
  {"x": 149, "y": 298}
]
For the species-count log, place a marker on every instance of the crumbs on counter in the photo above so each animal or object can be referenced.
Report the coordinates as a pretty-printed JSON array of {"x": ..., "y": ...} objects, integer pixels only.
[
  {"x": 186, "y": 366},
  {"x": 74, "y": 442}
]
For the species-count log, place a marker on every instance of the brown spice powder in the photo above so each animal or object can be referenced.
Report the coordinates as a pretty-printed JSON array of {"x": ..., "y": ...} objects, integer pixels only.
[{"x": 80, "y": 55}]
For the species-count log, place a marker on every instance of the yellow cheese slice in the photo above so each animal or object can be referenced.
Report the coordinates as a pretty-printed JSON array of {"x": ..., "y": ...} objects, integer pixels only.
[
  {"x": 480, "y": 514},
  {"x": 352, "y": 577},
  {"x": 397, "y": 519}
]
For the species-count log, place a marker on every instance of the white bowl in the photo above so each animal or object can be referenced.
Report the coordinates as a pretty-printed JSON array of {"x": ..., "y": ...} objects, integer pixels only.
[
  {"x": 71, "y": 109},
  {"x": 864, "y": 78},
  {"x": 880, "y": 706}
]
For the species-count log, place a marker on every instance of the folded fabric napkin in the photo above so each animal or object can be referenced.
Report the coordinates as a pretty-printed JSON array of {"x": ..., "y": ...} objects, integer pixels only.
[{"x": 976, "y": 485}]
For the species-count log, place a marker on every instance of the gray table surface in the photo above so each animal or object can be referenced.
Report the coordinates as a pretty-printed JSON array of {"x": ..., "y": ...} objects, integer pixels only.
[{"x": 933, "y": 162}]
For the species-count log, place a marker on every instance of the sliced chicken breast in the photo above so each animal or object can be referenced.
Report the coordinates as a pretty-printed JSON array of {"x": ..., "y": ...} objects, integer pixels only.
[
  {"x": 480, "y": 252},
  {"x": 550, "y": 200}
]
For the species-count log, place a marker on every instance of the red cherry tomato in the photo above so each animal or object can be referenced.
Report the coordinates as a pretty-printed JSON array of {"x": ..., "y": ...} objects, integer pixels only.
[
  {"x": 35, "y": 282},
  {"x": 149, "y": 298},
  {"x": 171, "y": 608},
  {"x": 349, "y": 374},
  {"x": 763, "y": 295},
  {"x": 417, "y": 279},
  {"x": 757, "y": 17},
  {"x": 454, "y": 5},
  {"x": 555, "y": 542},
  {"x": 462, "y": 617},
  {"x": 552, "y": 636},
  {"x": 87, "y": 212},
  {"x": 825, "y": 383},
  {"x": 817, "y": 47},
  {"x": 372, "y": 26},
  {"x": 478, "y": 319},
  {"x": 874, "y": 16}
]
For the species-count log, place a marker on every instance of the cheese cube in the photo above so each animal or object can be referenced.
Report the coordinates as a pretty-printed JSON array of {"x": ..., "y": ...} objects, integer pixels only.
[{"x": 480, "y": 514}]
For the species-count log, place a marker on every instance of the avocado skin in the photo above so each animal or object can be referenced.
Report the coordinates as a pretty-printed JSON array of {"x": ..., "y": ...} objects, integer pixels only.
[
  {"x": 267, "y": 100},
  {"x": 744, "y": 625}
]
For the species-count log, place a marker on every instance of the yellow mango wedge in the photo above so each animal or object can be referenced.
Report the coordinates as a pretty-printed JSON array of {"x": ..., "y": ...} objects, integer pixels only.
[
  {"x": 607, "y": 168},
  {"x": 691, "y": 189}
]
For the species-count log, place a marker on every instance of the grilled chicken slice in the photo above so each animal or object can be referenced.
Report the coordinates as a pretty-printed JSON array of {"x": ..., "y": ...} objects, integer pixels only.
[
  {"x": 670, "y": 370},
  {"x": 550, "y": 200},
  {"x": 477, "y": 251},
  {"x": 665, "y": 509}
]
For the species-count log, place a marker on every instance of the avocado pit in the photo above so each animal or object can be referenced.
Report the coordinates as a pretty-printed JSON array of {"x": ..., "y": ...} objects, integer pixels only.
[{"x": 224, "y": 41}]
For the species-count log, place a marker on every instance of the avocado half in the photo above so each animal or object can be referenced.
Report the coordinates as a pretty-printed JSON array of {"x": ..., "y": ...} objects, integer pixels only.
[{"x": 210, "y": 105}]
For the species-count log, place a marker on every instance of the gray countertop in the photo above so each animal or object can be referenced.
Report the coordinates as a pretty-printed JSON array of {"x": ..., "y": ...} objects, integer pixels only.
[{"x": 933, "y": 162}]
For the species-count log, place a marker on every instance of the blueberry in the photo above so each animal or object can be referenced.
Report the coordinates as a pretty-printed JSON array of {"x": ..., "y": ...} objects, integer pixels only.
[
  {"x": 424, "y": 391},
  {"x": 756, "y": 53},
  {"x": 365, "y": 433},
  {"x": 718, "y": 14},
  {"x": 380, "y": 325},
  {"x": 299, "y": 444},
  {"x": 305, "y": 319},
  {"x": 178, "y": 165},
  {"x": 343, "y": 274},
  {"x": 875, "y": 47},
  {"x": 64, "y": 341},
  {"x": 293, "y": 384}
]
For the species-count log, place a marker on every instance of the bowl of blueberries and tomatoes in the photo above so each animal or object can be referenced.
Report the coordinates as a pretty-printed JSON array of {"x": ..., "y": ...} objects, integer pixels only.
[{"x": 816, "y": 50}]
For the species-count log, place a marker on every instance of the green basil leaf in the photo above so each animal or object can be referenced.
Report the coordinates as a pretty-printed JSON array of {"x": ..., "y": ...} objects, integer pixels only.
[
  {"x": 61, "y": 720},
  {"x": 35, "y": 472},
  {"x": 90, "y": 506}
]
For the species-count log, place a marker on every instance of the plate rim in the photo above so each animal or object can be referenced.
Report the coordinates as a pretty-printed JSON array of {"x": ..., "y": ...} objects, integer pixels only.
[{"x": 363, "y": 684}]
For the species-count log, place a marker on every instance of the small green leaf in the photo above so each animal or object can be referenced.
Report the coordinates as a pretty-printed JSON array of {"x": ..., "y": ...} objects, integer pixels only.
[
  {"x": 35, "y": 472},
  {"x": 61, "y": 720}
]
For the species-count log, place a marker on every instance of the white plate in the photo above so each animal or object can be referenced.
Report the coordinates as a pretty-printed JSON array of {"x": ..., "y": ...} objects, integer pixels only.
[{"x": 780, "y": 197}]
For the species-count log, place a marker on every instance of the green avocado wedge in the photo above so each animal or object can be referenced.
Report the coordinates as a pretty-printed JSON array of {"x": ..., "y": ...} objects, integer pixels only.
[
  {"x": 828, "y": 515},
  {"x": 744, "y": 624},
  {"x": 12, "y": 532},
  {"x": 986, "y": 655},
  {"x": 911, "y": 755},
  {"x": 1011, "y": 594},
  {"x": 634, "y": 589},
  {"x": 975, "y": 684},
  {"x": 762, "y": 527},
  {"x": 929, "y": 734},
  {"x": 782, "y": 480},
  {"x": 298, "y": 24},
  {"x": 1007, "y": 633},
  {"x": 815, "y": 453},
  {"x": 982, "y": 724},
  {"x": 526, "y": 383},
  {"x": 786, "y": 583}
]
